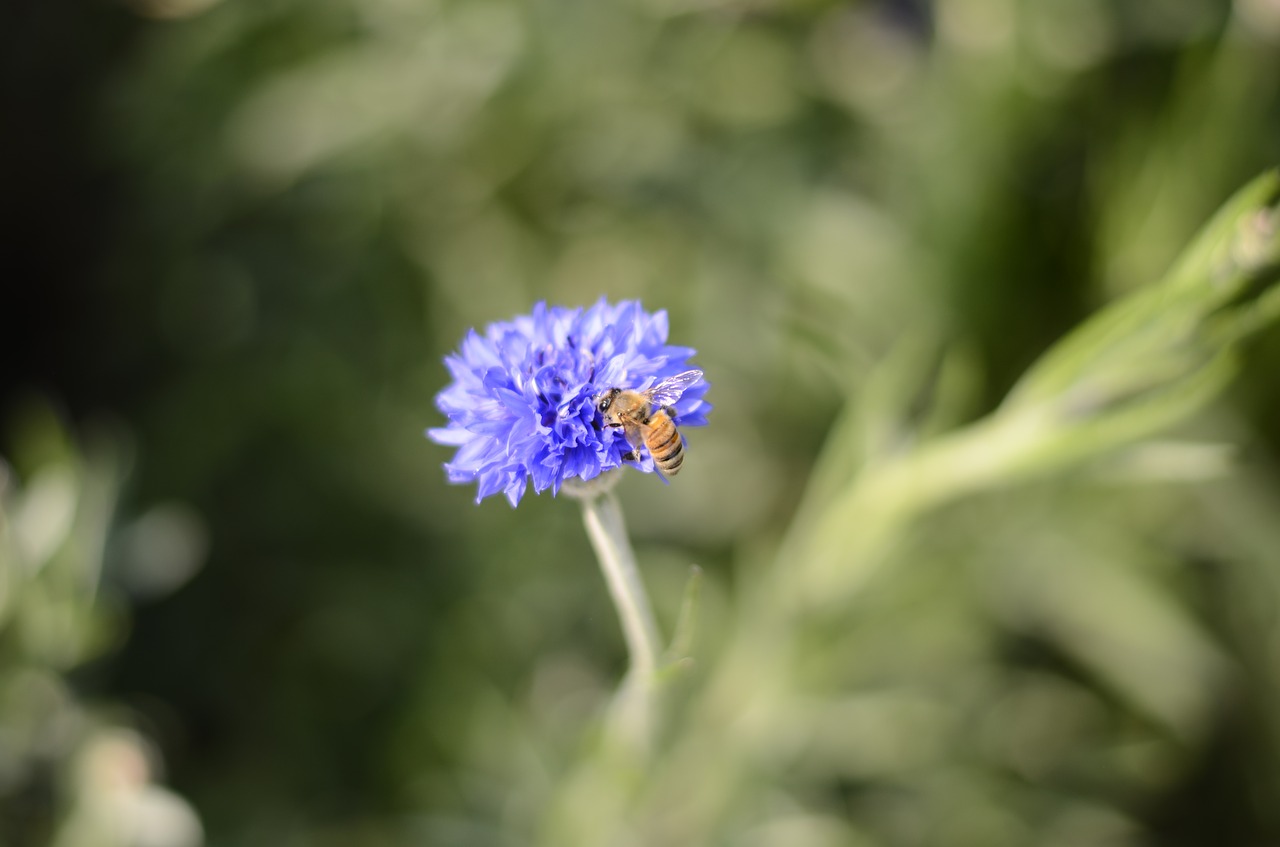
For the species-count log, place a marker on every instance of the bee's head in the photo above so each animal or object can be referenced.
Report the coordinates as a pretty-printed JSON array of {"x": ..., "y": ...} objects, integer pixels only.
[{"x": 606, "y": 400}]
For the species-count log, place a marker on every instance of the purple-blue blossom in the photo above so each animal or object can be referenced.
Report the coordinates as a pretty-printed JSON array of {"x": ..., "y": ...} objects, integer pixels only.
[{"x": 521, "y": 407}]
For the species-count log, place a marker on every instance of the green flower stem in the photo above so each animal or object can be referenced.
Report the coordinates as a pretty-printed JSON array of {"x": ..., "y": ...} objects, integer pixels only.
[
  {"x": 630, "y": 719},
  {"x": 588, "y": 810},
  {"x": 602, "y": 515}
]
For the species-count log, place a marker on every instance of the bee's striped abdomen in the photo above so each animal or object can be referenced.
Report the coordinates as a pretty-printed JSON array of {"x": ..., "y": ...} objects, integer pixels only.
[{"x": 664, "y": 443}]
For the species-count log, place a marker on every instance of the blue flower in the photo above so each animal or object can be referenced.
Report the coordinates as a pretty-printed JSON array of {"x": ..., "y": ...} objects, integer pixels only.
[{"x": 522, "y": 404}]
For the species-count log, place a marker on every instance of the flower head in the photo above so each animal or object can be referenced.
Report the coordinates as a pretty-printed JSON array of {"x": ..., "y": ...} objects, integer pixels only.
[{"x": 522, "y": 404}]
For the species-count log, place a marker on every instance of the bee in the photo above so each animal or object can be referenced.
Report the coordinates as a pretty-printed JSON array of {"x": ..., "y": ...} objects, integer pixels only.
[{"x": 647, "y": 419}]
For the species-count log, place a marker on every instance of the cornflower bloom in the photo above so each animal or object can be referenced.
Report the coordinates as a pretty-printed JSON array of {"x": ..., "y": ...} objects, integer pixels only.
[{"x": 522, "y": 404}]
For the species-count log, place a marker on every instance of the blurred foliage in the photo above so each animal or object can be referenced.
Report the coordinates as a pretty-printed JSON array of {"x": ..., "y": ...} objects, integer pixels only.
[
  {"x": 779, "y": 693},
  {"x": 253, "y": 229},
  {"x": 76, "y": 773}
]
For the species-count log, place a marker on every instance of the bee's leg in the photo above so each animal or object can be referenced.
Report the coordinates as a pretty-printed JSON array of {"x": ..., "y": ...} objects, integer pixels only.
[
  {"x": 671, "y": 411},
  {"x": 630, "y": 456}
]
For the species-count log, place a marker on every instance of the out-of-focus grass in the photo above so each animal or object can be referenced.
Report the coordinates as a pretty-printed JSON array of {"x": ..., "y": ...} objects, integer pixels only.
[{"x": 870, "y": 219}]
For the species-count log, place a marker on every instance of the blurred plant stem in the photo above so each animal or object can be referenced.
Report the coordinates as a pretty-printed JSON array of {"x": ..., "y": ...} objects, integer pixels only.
[
  {"x": 1136, "y": 368},
  {"x": 631, "y": 718}
]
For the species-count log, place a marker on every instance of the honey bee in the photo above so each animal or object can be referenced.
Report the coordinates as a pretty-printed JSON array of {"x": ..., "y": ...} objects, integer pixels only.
[{"x": 647, "y": 419}]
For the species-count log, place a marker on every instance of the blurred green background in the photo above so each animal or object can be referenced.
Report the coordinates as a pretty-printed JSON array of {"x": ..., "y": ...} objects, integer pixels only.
[{"x": 240, "y": 236}]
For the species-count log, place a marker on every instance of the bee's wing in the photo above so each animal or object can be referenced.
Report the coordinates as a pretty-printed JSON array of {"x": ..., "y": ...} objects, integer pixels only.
[{"x": 669, "y": 390}]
